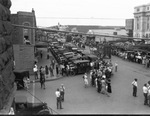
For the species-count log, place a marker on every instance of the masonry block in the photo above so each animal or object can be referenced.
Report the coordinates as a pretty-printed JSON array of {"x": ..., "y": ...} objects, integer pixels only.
[
  {"x": 7, "y": 27},
  {"x": 10, "y": 52},
  {"x": 2, "y": 44},
  {"x": 4, "y": 57},
  {"x": 1, "y": 27},
  {"x": 8, "y": 40},
  {"x": 12, "y": 78},
  {"x": 2, "y": 65},
  {"x": 6, "y": 3},
  {"x": 4, "y": 13}
]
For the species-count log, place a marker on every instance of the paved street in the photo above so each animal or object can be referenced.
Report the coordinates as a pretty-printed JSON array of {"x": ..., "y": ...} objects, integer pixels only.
[{"x": 80, "y": 100}]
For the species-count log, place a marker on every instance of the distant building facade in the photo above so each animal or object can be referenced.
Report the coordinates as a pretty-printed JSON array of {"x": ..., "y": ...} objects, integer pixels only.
[
  {"x": 129, "y": 26},
  {"x": 21, "y": 34},
  {"x": 142, "y": 21},
  {"x": 109, "y": 32}
]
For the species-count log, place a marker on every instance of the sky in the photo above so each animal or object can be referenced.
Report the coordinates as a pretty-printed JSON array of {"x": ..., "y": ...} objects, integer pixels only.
[{"x": 79, "y": 12}]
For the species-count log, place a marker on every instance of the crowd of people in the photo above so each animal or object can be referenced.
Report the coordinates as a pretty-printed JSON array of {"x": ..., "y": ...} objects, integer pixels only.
[
  {"x": 100, "y": 77},
  {"x": 137, "y": 57}
]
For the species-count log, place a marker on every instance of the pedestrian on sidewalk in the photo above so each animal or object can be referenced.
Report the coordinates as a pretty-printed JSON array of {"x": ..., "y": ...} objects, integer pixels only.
[
  {"x": 53, "y": 63},
  {"x": 47, "y": 56},
  {"x": 145, "y": 93},
  {"x": 46, "y": 71},
  {"x": 35, "y": 70},
  {"x": 58, "y": 99},
  {"x": 134, "y": 84},
  {"x": 42, "y": 77},
  {"x": 51, "y": 70},
  {"x": 57, "y": 72},
  {"x": 62, "y": 92}
]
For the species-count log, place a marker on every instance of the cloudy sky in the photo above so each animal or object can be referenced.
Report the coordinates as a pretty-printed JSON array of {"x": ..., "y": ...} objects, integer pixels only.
[{"x": 79, "y": 12}]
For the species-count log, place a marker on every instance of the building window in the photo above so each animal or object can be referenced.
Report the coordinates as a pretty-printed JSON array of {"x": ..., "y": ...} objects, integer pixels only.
[
  {"x": 149, "y": 35},
  {"x": 138, "y": 23},
  {"x": 148, "y": 18},
  {"x": 138, "y": 10},
  {"x": 146, "y": 35},
  {"x": 147, "y": 8}
]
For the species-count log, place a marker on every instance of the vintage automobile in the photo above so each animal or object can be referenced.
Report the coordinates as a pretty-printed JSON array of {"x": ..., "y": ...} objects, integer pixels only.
[
  {"x": 23, "y": 107},
  {"x": 82, "y": 66},
  {"x": 90, "y": 57}
]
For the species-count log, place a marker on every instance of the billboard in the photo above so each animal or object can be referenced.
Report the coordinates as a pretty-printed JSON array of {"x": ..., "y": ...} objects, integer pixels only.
[{"x": 129, "y": 24}]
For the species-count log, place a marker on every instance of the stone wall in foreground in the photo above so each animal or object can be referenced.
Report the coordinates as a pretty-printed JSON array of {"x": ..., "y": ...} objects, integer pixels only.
[{"x": 6, "y": 54}]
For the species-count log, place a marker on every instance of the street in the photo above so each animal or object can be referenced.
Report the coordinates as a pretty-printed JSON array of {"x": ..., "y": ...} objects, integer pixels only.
[{"x": 80, "y": 100}]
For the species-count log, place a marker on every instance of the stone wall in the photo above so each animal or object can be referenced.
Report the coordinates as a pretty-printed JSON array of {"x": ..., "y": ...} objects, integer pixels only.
[{"x": 6, "y": 54}]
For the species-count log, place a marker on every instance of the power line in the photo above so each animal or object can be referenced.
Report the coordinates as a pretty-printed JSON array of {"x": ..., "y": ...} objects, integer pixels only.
[
  {"x": 81, "y": 33},
  {"x": 93, "y": 18}
]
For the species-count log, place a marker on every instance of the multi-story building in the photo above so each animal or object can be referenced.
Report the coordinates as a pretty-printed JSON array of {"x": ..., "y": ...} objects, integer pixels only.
[
  {"x": 25, "y": 19},
  {"x": 142, "y": 21},
  {"x": 129, "y": 26},
  {"x": 24, "y": 40}
]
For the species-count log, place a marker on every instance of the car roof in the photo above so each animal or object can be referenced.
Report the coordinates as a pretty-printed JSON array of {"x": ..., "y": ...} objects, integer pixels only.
[{"x": 80, "y": 61}]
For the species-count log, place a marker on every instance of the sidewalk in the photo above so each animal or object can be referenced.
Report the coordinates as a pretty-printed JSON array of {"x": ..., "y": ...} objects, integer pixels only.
[{"x": 43, "y": 62}]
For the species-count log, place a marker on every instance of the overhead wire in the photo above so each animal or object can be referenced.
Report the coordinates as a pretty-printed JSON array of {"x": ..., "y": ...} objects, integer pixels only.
[{"x": 80, "y": 33}]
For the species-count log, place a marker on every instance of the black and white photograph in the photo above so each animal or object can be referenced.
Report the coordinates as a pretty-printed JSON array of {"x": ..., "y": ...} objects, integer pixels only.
[{"x": 61, "y": 57}]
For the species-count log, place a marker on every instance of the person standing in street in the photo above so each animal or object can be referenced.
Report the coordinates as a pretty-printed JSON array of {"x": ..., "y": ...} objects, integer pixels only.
[
  {"x": 104, "y": 87},
  {"x": 109, "y": 86},
  {"x": 116, "y": 67},
  {"x": 148, "y": 97},
  {"x": 145, "y": 93},
  {"x": 134, "y": 84},
  {"x": 85, "y": 78},
  {"x": 62, "y": 91},
  {"x": 58, "y": 99}
]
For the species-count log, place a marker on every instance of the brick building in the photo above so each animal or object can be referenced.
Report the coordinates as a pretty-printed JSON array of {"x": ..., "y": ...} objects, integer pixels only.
[
  {"x": 24, "y": 40},
  {"x": 26, "y": 19}
]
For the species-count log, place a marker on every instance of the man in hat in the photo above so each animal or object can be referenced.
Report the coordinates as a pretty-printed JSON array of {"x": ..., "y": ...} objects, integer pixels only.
[
  {"x": 134, "y": 83},
  {"x": 62, "y": 92},
  {"x": 145, "y": 93},
  {"x": 57, "y": 93}
]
